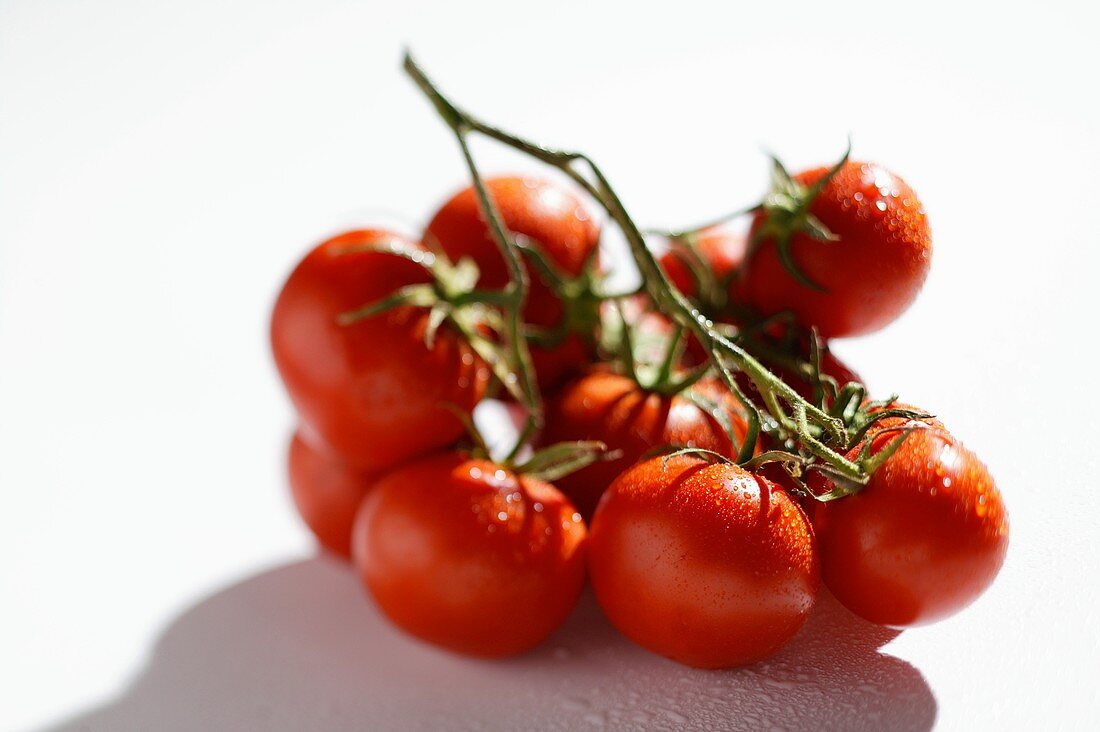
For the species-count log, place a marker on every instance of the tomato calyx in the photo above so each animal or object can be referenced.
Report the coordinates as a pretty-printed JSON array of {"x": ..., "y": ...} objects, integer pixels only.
[
  {"x": 580, "y": 295},
  {"x": 450, "y": 298},
  {"x": 653, "y": 362},
  {"x": 548, "y": 463},
  {"x": 864, "y": 425},
  {"x": 563, "y": 458},
  {"x": 661, "y": 375},
  {"x": 786, "y": 209}
]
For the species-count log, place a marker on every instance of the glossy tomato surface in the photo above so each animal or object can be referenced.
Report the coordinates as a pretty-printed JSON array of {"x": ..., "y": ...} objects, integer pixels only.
[
  {"x": 871, "y": 274},
  {"x": 464, "y": 554},
  {"x": 704, "y": 563},
  {"x": 372, "y": 389},
  {"x": 555, "y": 221},
  {"x": 922, "y": 540},
  {"x": 613, "y": 409},
  {"x": 326, "y": 491}
]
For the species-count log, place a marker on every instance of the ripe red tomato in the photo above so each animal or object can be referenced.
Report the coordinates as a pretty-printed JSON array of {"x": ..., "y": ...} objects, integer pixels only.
[
  {"x": 871, "y": 274},
  {"x": 613, "y": 409},
  {"x": 555, "y": 221},
  {"x": 327, "y": 492},
  {"x": 372, "y": 389},
  {"x": 723, "y": 251},
  {"x": 706, "y": 564},
  {"x": 466, "y": 555},
  {"x": 922, "y": 540}
]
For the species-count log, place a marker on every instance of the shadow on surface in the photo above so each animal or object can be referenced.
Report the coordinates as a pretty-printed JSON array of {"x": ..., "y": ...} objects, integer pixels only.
[{"x": 300, "y": 647}]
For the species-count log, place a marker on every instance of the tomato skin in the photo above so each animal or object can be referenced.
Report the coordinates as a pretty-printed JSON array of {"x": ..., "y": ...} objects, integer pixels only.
[
  {"x": 871, "y": 274},
  {"x": 326, "y": 491},
  {"x": 556, "y": 221},
  {"x": 432, "y": 549},
  {"x": 722, "y": 249},
  {"x": 371, "y": 390},
  {"x": 703, "y": 563},
  {"x": 922, "y": 540},
  {"x": 613, "y": 409}
]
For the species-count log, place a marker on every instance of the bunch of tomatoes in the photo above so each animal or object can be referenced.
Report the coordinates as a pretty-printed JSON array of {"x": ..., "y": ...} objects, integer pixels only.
[{"x": 691, "y": 448}]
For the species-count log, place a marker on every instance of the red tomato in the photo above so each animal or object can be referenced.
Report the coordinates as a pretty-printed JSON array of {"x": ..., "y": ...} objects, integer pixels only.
[
  {"x": 922, "y": 540},
  {"x": 466, "y": 555},
  {"x": 704, "y": 563},
  {"x": 723, "y": 250},
  {"x": 372, "y": 390},
  {"x": 616, "y": 411},
  {"x": 555, "y": 221},
  {"x": 870, "y": 275},
  {"x": 326, "y": 492}
]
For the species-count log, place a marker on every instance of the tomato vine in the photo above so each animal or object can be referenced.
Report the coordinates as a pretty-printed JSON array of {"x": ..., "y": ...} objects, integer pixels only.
[{"x": 821, "y": 438}]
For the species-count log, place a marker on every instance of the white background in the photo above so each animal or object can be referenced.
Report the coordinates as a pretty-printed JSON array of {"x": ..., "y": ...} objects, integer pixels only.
[{"x": 162, "y": 166}]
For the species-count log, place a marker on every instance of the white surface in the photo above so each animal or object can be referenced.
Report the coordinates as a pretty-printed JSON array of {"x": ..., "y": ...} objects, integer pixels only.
[{"x": 163, "y": 165}]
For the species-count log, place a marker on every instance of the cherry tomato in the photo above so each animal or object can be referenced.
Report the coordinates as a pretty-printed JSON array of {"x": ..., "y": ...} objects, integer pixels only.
[
  {"x": 613, "y": 409},
  {"x": 466, "y": 555},
  {"x": 706, "y": 564},
  {"x": 871, "y": 274},
  {"x": 720, "y": 248},
  {"x": 372, "y": 389},
  {"x": 557, "y": 223},
  {"x": 326, "y": 491},
  {"x": 922, "y": 540}
]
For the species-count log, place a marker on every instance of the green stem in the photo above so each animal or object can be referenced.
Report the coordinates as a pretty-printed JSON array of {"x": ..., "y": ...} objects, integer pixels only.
[
  {"x": 687, "y": 233},
  {"x": 661, "y": 290},
  {"x": 515, "y": 294}
]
